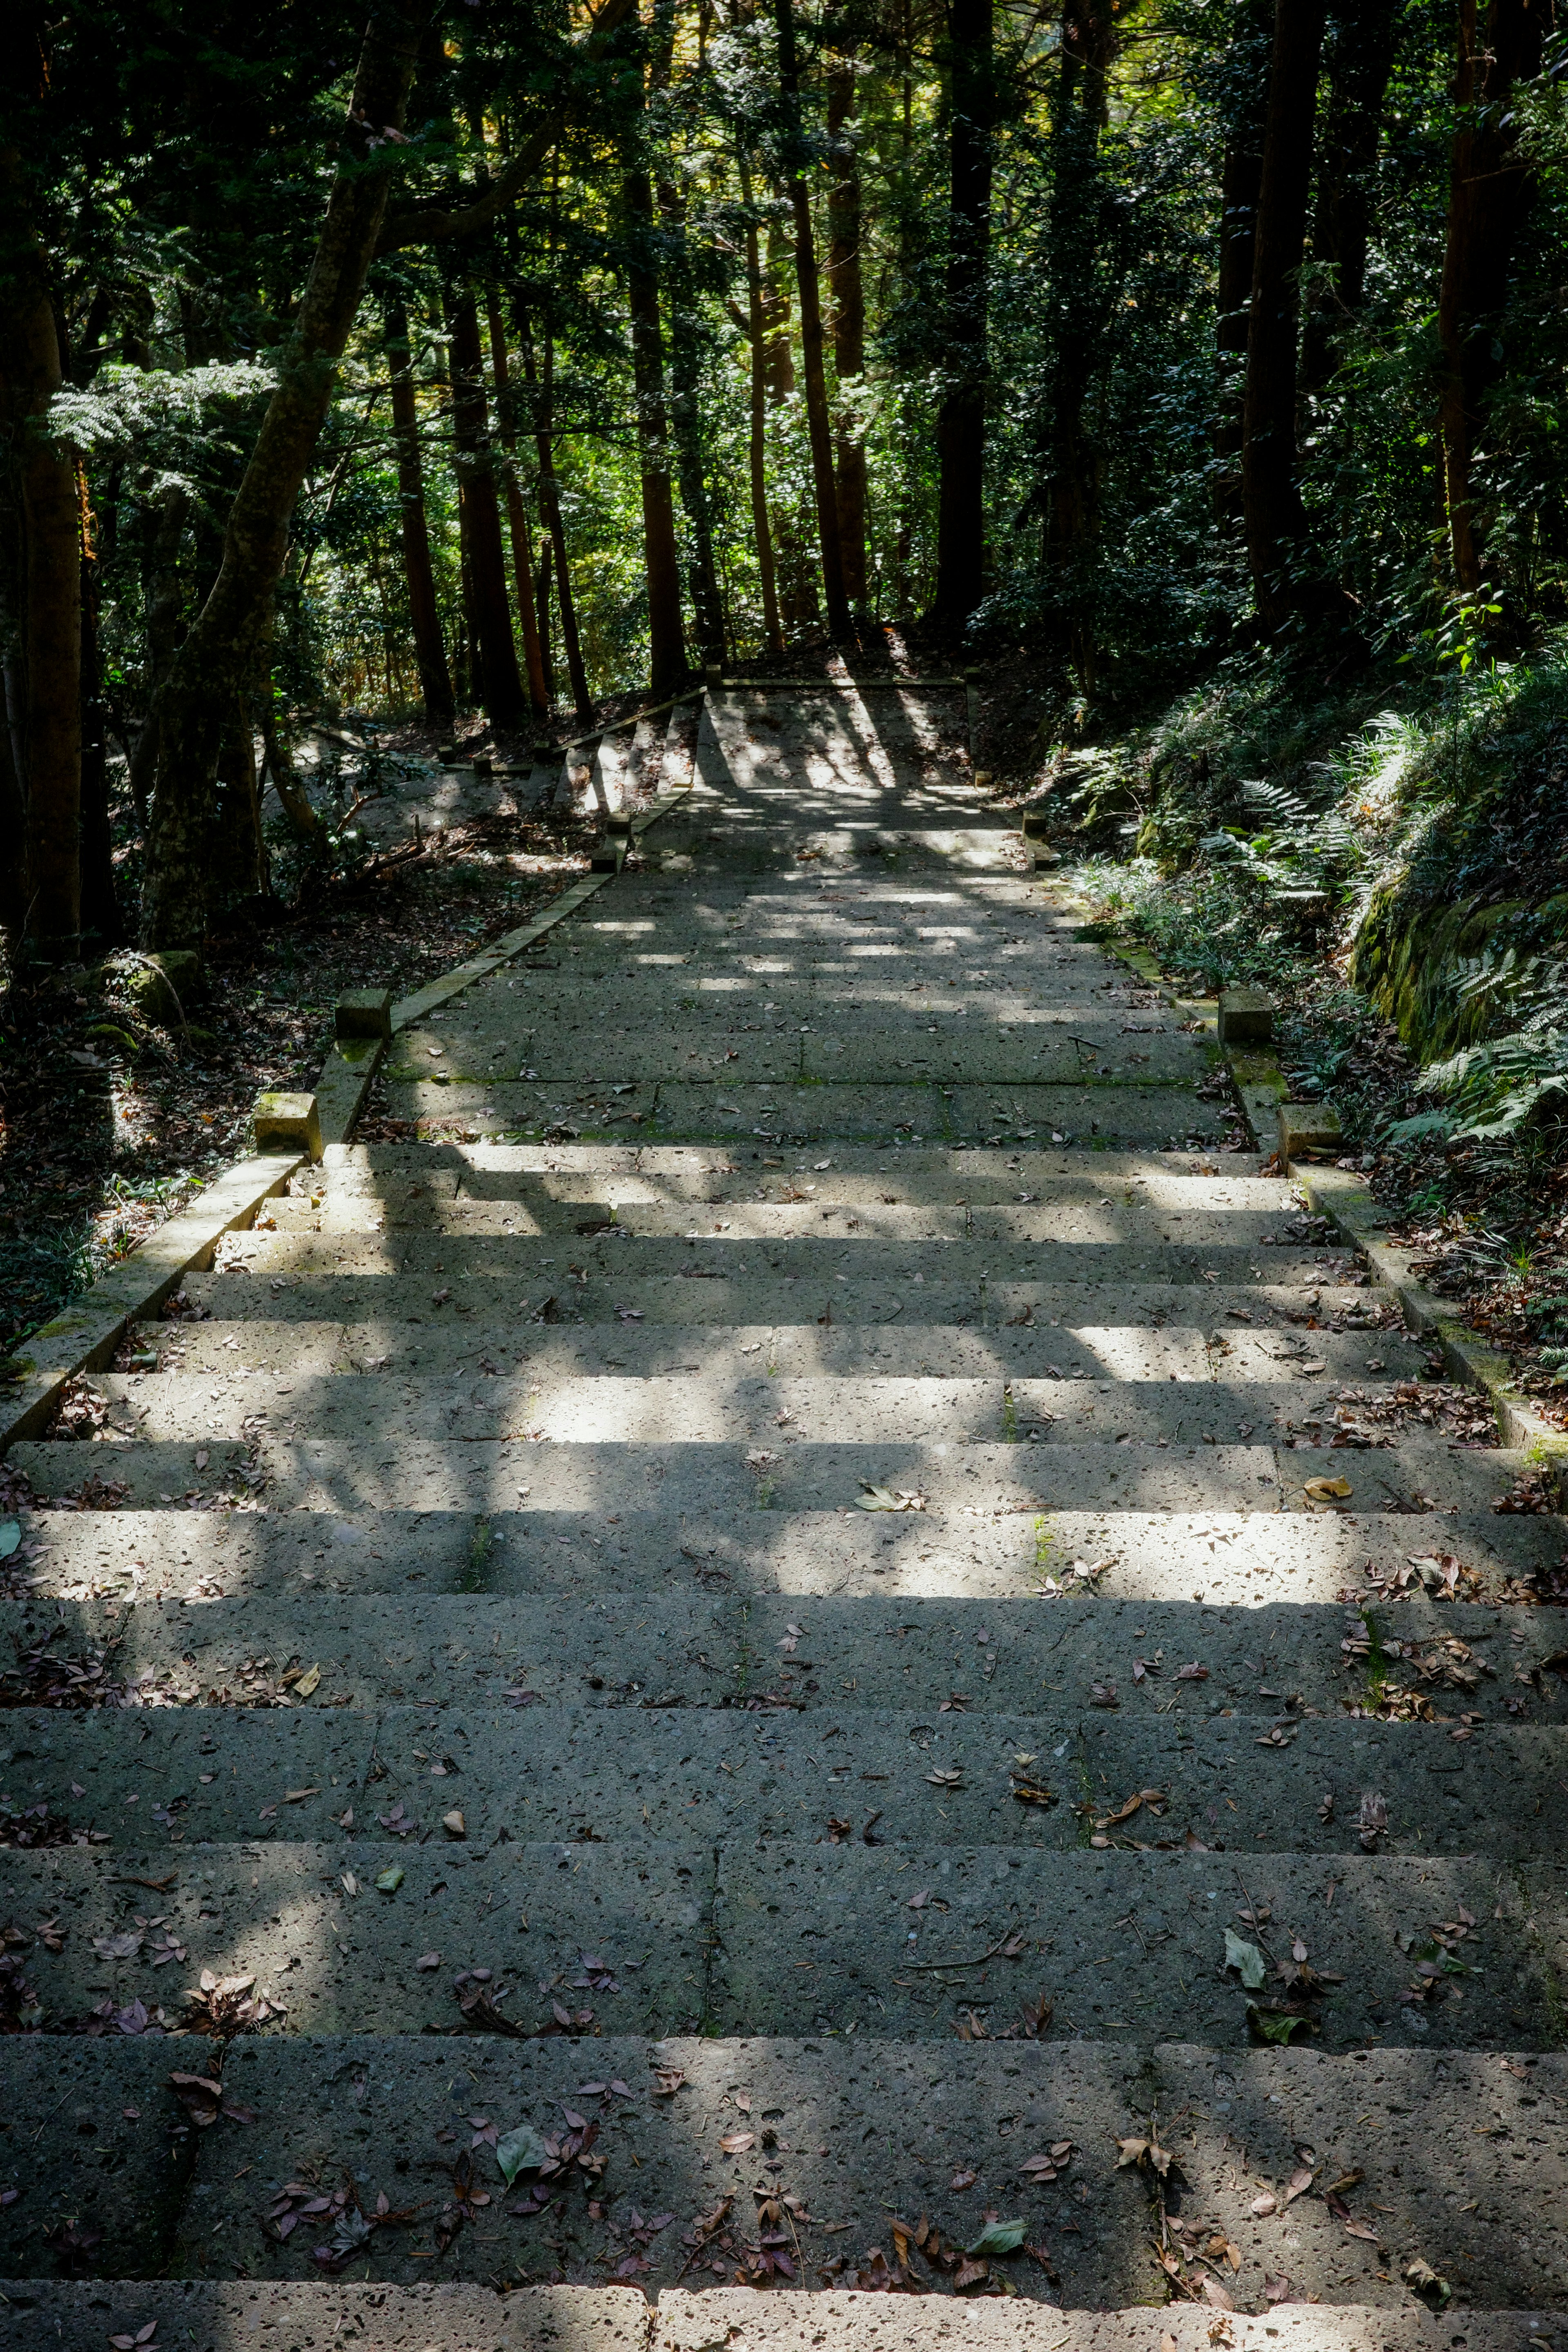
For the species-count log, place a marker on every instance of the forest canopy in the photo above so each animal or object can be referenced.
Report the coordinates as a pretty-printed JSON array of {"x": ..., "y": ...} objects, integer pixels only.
[{"x": 504, "y": 355}]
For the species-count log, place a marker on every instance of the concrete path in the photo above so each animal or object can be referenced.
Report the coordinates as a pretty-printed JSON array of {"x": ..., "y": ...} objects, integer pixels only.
[{"x": 819, "y": 1647}]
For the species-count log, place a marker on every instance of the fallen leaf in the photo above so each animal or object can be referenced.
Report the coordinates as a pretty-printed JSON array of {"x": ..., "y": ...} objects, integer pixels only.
[
  {"x": 667, "y": 2081},
  {"x": 1193, "y": 1674},
  {"x": 390, "y": 1880},
  {"x": 1220, "y": 2296},
  {"x": 1246, "y": 1959},
  {"x": 1278, "y": 2024},
  {"x": 946, "y": 1780},
  {"x": 1300, "y": 2181},
  {"x": 998, "y": 2238},
  {"x": 298, "y": 1796},
  {"x": 308, "y": 1684},
  {"x": 1277, "y": 2289},
  {"x": 521, "y": 2150},
  {"x": 737, "y": 2143},
  {"x": 1326, "y": 1490},
  {"x": 1266, "y": 2204},
  {"x": 453, "y": 1825},
  {"x": 428, "y": 1960},
  {"x": 964, "y": 2177}
]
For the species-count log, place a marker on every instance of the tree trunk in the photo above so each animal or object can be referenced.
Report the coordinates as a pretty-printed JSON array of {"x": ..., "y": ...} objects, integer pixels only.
[
  {"x": 1088, "y": 252},
  {"x": 666, "y": 644},
  {"x": 48, "y": 510},
  {"x": 1287, "y": 584},
  {"x": 1489, "y": 190},
  {"x": 818, "y": 424},
  {"x": 798, "y": 595},
  {"x": 214, "y": 662},
  {"x": 239, "y": 862},
  {"x": 501, "y": 684},
  {"x": 757, "y": 439},
  {"x": 517, "y": 519},
  {"x": 13, "y": 732},
  {"x": 101, "y": 921},
  {"x": 543, "y": 391},
  {"x": 541, "y": 594},
  {"x": 849, "y": 321},
  {"x": 424, "y": 619},
  {"x": 961, "y": 420},
  {"x": 1361, "y": 59},
  {"x": 686, "y": 417},
  {"x": 1241, "y": 177}
]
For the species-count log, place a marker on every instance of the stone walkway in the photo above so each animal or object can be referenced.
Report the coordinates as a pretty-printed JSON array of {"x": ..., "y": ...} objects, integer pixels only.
[{"x": 777, "y": 1640}]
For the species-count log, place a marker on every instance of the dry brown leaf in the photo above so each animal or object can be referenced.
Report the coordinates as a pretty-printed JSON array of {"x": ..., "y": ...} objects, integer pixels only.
[{"x": 737, "y": 2143}]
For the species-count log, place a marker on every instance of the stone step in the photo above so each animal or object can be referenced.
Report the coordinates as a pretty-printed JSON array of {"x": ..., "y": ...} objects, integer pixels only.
[
  {"x": 328, "y": 1950},
  {"x": 1136, "y": 1226},
  {"x": 1231, "y": 1557},
  {"x": 684, "y": 1402},
  {"x": 826, "y": 1113},
  {"x": 705, "y": 1292},
  {"x": 380, "y": 1473},
  {"x": 903, "y": 1942},
  {"x": 311, "y": 2317},
  {"x": 913, "y": 1947},
  {"x": 427, "y": 2316},
  {"x": 418, "y": 1261},
  {"x": 537, "y": 1774},
  {"x": 773, "y": 2320},
  {"x": 851, "y": 2134},
  {"x": 851, "y": 1045},
  {"x": 1191, "y": 1351},
  {"x": 851, "y": 1171},
  {"x": 698, "y": 1648}
]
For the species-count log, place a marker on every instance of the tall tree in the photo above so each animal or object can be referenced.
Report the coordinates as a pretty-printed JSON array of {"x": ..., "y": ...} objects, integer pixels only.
[
  {"x": 756, "y": 442},
  {"x": 424, "y": 618},
  {"x": 1489, "y": 189},
  {"x": 542, "y": 394},
  {"x": 517, "y": 518},
  {"x": 1288, "y": 582},
  {"x": 211, "y": 665},
  {"x": 1244, "y": 99},
  {"x": 667, "y": 641},
  {"x": 818, "y": 423},
  {"x": 499, "y": 684},
  {"x": 961, "y": 420},
  {"x": 844, "y": 280},
  {"x": 44, "y": 530},
  {"x": 1360, "y": 58},
  {"x": 1088, "y": 235}
]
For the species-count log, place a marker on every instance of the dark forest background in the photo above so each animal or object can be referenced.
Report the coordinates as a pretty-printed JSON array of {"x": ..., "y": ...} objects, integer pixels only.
[{"x": 1194, "y": 369}]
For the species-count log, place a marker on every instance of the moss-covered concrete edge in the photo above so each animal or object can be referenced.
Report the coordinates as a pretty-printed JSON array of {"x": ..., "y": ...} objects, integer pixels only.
[
  {"x": 1344, "y": 1197},
  {"x": 85, "y": 1337}
]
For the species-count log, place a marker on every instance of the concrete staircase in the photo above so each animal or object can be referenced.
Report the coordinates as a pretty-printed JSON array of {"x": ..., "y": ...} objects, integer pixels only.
[{"x": 745, "y": 1660}]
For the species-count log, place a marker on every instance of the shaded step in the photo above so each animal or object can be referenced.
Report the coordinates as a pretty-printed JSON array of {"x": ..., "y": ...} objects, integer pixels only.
[
  {"x": 1459, "y": 2155},
  {"x": 1215, "y": 1556},
  {"x": 323, "y": 1473},
  {"x": 329, "y": 1951},
  {"x": 379, "y": 1474},
  {"x": 895, "y": 2126},
  {"x": 551, "y": 1774},
  {"x": 687, "y": 1402},
  {"x": 320, "y": 2318},
  {"x": 80, "y": 2121},
  {"x": 708, "y": 1292},
  {"x": 692, "y": 1648},
  {"x": 1190, "y": 1351},
  {"x": 419, "y": 1262},
  {"x": 921, "y": 1946}
]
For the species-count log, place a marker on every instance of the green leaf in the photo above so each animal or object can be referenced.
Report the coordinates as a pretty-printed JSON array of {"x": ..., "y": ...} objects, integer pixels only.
[
  {"x": 1277, "y": 2026},
  {"x": 998, "y": 2238},
  {"x": 1246, "y": 1957},
  {"x": 10, "y": 1537},
  {"x": 522, "y": 2150},
  {"x": 390, "y": 1880}
]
